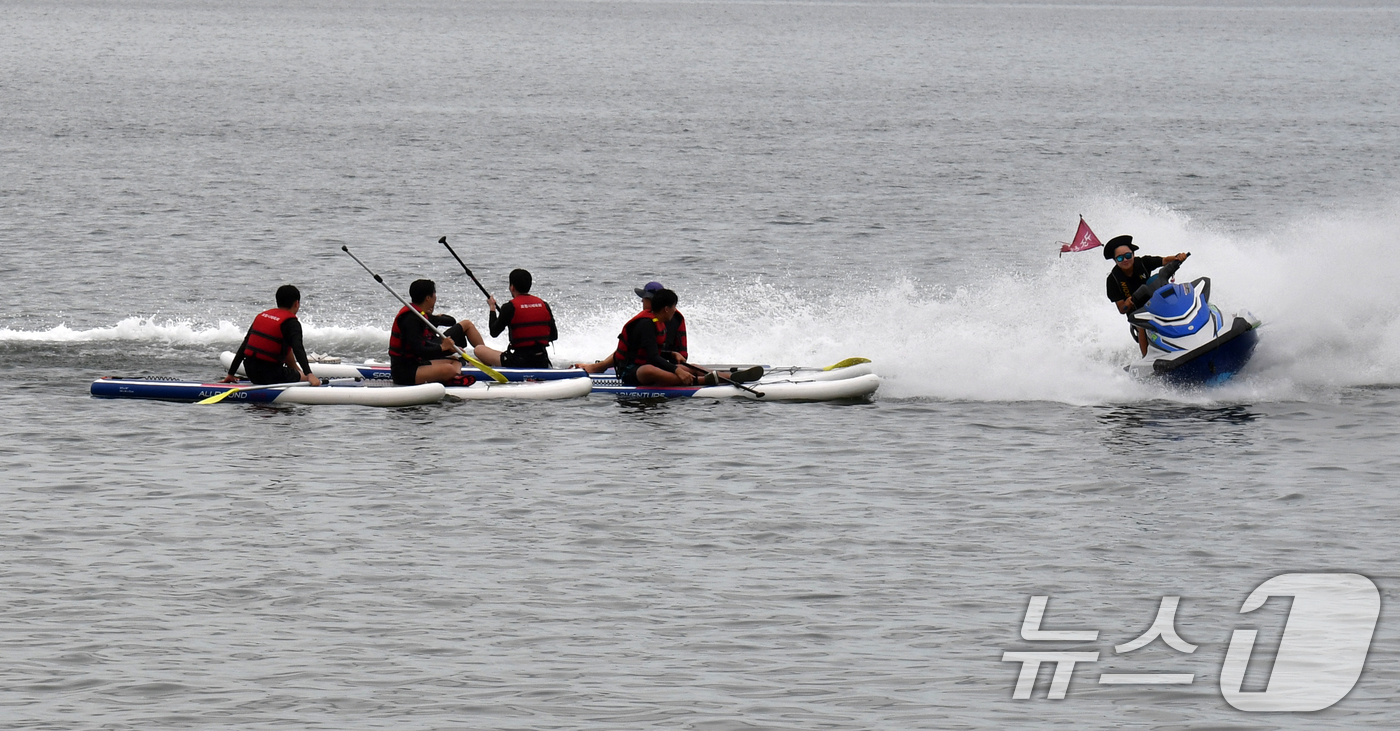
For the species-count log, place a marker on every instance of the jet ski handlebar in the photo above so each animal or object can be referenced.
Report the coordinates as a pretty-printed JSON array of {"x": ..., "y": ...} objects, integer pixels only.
[{"x": 1162, "y": 278}]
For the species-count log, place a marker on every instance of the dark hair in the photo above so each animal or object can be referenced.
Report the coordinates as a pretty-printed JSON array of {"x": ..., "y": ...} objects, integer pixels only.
[
  {"x": 287, "y": 295},
  {"x": 662, "y": 299},
  {"x": 521, "y": 280},
  {"x": 421, "y": 289}
]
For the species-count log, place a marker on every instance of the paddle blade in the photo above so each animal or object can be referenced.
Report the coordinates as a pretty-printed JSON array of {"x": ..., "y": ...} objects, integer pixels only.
[
  {"x": 847, "y": 363},
  {"x": 216, "y": 398},
  {"x": 488, "y": 370}
]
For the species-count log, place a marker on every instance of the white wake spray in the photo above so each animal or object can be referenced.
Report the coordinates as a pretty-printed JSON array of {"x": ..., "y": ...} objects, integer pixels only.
[{"x": 1322, "y": 286}]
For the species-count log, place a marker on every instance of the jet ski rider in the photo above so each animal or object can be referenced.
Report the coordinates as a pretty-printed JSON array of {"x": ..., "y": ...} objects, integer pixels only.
[
  {"x": 272, "y": 349},
  {"x": 1130, "y": 272}
]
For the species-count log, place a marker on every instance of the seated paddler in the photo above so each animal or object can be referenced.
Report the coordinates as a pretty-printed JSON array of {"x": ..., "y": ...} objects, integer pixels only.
[
  {"x": 530, "y": 322},
  {"x": 416, "y": 354},
  {"x": 676, "y": 347},
  {"x": 272, "y": 350}
]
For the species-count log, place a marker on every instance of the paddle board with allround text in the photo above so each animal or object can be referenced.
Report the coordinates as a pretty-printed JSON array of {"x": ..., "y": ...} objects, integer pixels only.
[{"x": 362, "y": 394}]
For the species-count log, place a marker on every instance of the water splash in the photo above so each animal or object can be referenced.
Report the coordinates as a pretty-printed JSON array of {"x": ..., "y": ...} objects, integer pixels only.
[{"x": 1044, "y": 332}]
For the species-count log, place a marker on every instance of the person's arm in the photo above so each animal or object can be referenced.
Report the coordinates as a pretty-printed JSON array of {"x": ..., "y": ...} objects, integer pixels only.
[
  {"x": 500, "y": 319},
  {"x": 423, "y": 343},
  {"x": 442, "y": 320},
  {"x": 647, "y": 336},
  {"x": 676, "y": 345},
  {"x": 291, "y": 335},
  {"x": 1151, "y": 263},
  {"x": 237, "y": 359},
  {"x": 1115, "y": 294},
  {"x": 553, "y": 329}
]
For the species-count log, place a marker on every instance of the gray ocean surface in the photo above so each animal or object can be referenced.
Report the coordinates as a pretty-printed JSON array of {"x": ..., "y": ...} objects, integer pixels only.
[{"x": 818, "y": 181}]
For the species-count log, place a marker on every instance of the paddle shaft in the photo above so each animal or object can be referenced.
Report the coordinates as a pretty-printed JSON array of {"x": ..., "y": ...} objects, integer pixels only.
[
  {"x": 739, "y": 386},
  {"x": 443, "y": 241},
  {"x": 484, "y": 368}
]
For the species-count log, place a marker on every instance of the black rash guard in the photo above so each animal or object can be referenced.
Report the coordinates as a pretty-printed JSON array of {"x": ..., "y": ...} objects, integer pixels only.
[
  {"x": 641, "y": 335},
  {"x": 1121, "y": 286},
  {"x": 417, "y": 339}
]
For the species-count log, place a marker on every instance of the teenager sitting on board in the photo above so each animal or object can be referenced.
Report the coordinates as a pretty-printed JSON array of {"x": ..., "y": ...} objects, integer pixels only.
[
  {"x": 638, "y": 357},
  {"x": 676, "y": 346},
  {"x": 416, "y": 355},
  {"x": 531, "y": 325},
  {"x": 272, "y": 349}
]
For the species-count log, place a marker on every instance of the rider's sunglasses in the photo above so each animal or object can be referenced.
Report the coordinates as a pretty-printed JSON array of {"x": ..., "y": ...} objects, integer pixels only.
[{"x": 1123, "y": 257}]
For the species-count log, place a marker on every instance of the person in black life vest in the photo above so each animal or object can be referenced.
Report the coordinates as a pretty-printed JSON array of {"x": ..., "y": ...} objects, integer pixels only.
[
  {"x": 272, "y": 349},
  {"x": 1131, "y": 271},
  {"x": 531, "y": 325},
  {"x": 676, "y": 347},
  {"x": 416, "y": 355}
]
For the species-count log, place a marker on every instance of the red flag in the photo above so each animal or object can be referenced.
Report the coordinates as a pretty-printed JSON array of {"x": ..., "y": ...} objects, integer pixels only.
[{"x": 1084, "y": 239}]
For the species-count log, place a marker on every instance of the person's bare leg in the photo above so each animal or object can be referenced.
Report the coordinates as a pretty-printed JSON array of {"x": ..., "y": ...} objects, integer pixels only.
[
  {"x": 488, "y": 355},
  {"x": 438, "y": 371},
  {"x": 473, "y": 335},
  {"x": 1142, "y": 339},
  {"x": 598, "y": 367},
  {"x": 650, "y": 375}
]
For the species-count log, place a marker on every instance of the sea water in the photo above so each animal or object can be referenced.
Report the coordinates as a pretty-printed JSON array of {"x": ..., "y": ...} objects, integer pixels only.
[{"x": 817, "y": 180}]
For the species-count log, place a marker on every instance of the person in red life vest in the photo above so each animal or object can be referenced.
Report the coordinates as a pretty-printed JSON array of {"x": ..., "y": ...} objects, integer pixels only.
[
  {"x": 676, "y": 347},
  {"x": 416, "y": 355},
  {"x": 531, "y": 325},
  {"x": 638, "y": 357},
  {"x": 272, "y": 349},
  {"x": 1130, "y": 272}
]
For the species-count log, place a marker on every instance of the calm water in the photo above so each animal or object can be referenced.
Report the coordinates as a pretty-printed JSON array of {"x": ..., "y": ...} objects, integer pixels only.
[{"x": 817, "y": 180}]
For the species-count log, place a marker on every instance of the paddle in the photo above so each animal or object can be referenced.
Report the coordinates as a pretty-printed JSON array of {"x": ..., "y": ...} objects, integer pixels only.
[
  {"x": 735, "y": 384},
  {"x": 216, "y": 398},
  {"x": 443, "y": 241},
  {"x": 847, "y": 363},
  {"x": 488, "y": 370}
]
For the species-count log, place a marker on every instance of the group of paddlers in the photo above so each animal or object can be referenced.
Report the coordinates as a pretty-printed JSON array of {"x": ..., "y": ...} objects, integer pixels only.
[{"x": 651, "y": 349}]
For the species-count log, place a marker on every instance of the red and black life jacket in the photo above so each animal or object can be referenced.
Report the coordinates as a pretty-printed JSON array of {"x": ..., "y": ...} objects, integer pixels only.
[
  {"x": 396, "y": 344},
  {"x": 676, "y": 340},
  {"x": 530, "y": 324},
  {"x": 265, "y": 336},
  {"x": 629, "y": 353}
]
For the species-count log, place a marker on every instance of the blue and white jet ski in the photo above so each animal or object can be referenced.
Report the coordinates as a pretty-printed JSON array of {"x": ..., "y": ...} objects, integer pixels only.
[{"x": 1190, "y": 342}]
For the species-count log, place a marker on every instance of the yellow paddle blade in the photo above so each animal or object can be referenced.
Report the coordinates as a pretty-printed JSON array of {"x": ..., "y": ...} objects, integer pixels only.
[
  {"x": 847, "y": 363},
  {"x": 488, "y": 370},
  {"x": 216, "y": 398}
]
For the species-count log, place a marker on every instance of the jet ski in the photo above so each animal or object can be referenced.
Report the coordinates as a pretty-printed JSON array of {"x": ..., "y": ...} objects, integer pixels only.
[{"x": 1190, "y": 342}]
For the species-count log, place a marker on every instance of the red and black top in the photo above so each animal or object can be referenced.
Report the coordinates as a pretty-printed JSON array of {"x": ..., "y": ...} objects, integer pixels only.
[
  {"x": 640, "y": 344},
  {"x": 676, "y": 342},
  {"x": 530, "y": 321},
  {"x": 273, "y": 334}
]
